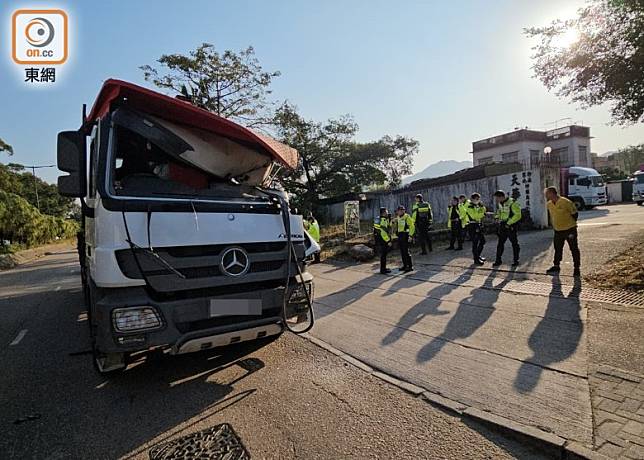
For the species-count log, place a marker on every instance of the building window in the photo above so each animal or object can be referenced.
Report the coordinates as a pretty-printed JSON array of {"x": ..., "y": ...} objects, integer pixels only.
[
  {"x": 510, "y": 157},
  {"x": 534, "y": 157},
  {"x": 486, "y": 160},
  {"x": 583, "y": 156},
  {"x": 560, "y": 156}
]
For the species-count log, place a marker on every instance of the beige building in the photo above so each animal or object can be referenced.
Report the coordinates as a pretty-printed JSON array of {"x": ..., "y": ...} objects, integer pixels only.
[{"x": 568, "y": 146}]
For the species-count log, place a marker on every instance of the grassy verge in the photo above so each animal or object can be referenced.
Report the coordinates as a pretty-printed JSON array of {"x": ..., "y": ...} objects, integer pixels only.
[{"x": 626, "y": 271}]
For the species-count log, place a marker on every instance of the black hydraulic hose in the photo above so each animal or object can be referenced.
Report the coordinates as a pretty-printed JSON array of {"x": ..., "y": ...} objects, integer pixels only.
[{"x": 286, "y": 220}]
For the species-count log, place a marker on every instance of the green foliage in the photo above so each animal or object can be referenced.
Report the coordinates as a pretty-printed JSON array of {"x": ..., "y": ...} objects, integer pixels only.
[
  {"x": 612, "y": 173},
  {"x": 4, "y": 147},
  {"x": 629, "y": 159},
  {"x": 332, "y": 163},
  {"x": 232, "y": 85},
  {"x": 21, "y": 223},
  {"x": 605, "y": 64},
  {"x": 14, "y": 179}
]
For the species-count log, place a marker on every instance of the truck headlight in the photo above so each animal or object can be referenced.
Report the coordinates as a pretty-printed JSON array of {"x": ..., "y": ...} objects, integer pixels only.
[
  {"x": 298, "y": 294},
  {"x": 135, "y": 319}
]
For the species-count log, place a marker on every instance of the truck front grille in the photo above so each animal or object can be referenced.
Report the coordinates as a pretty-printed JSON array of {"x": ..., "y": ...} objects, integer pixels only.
[{"x": 200, "y": 265}]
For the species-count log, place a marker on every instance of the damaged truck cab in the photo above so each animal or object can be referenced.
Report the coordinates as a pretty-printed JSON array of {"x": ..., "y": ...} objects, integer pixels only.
[{"x": 184, "y": 244}]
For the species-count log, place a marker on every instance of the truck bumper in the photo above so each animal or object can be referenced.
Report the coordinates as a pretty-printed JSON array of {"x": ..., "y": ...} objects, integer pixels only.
[{"x": 187, "y": 325}]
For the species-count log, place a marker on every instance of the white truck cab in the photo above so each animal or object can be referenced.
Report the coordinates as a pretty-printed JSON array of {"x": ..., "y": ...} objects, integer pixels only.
[
  {"x": 185, "y": 245},
  {"x": 583, "y": 186},
  {"x": 638, "y": 186}
]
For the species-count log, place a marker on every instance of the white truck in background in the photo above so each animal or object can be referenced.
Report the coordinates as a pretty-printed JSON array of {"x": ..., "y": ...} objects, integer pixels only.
[
  {"x": 185, "y": 245},
  {"x": 638, "y": 186},
  {"x": 583, "y": 186}
]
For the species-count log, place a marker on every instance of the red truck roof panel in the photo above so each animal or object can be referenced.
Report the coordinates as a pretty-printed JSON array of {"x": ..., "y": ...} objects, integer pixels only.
[{"x": 178, "y": 111}]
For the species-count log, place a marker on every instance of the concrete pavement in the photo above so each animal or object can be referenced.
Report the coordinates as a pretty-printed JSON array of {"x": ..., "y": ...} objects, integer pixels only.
[{"x": 510, "y": 343}]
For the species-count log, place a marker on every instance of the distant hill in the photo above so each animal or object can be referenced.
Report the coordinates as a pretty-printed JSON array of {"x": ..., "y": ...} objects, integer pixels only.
[{"x": 442, "y": 168}]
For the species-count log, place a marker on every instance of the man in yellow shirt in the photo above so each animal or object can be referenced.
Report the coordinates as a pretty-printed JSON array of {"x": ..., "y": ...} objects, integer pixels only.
[{"x": 563, "y": 215}]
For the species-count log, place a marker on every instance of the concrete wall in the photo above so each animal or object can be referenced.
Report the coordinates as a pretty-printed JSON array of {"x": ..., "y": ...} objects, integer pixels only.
[
  {"x": 614, "y": 190},
  {"x": 526, "y": 185}
]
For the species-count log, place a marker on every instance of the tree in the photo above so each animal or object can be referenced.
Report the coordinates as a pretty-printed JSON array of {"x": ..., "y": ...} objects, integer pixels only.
[
  {"x": 604, "y": 64},
  {"x": 332, "y": 163},
  {"x": 629, "y": 159},
  {"x": 612, "y": 173},
  {"x": 14, "y": 179},
  {"x": 4, "y": 147},
  {"x": 232, "y": 85}
]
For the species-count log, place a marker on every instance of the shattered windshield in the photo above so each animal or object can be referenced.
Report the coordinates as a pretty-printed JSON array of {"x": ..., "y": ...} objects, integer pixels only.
[{"x": 149, "y": 159}]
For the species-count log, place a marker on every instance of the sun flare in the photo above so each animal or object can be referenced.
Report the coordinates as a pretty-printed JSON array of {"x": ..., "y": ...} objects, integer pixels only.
[{"x": 565, "y": 39}]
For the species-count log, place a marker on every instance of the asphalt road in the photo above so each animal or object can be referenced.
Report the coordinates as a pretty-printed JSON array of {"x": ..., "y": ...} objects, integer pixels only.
[{"x": 289, "y": 399}]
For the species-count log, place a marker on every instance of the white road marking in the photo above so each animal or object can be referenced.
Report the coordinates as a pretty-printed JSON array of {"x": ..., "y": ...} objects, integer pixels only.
[
  {"x": 594, "y": 223},
  {"x": 19, "y": 337},
  {"x": 57, "y": 288}
]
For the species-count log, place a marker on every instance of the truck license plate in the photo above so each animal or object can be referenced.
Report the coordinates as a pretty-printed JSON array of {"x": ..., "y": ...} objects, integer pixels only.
[{"x": 234, "y": 307}]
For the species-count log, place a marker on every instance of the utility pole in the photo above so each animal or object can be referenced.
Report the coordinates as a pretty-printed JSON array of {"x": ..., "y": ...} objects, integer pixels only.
[{"x": 33, "y": 172}]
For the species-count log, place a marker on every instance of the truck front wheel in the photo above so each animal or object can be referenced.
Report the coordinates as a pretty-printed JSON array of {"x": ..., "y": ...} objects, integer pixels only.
[
  {"x": 579, "y": 203},
  {"x": 104, "y": 363}
]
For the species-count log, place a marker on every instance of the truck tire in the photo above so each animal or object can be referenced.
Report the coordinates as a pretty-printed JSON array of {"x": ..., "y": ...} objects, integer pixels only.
[
  {"x": 579, "y": 203},
  {"x": 104, "y": 363},
  {"x": 640, "y": 203}
]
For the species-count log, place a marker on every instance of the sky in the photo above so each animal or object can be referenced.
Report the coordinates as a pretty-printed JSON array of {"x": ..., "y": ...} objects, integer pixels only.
[{"x": 444, "y": 73}]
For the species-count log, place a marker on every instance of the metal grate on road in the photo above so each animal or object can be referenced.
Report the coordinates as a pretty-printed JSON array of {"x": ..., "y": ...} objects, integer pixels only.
[{"x": 217, "y": 443}]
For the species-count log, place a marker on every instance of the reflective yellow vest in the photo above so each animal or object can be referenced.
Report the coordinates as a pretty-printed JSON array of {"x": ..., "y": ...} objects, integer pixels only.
[
  {"x": 449, "y": 215},
  {"x": 462, "y": 210},
  {"x": 509, "y": 211},
  {"x": 405, "y": 224},
  {"x": 314, "y": 230},
  {"x": 422, "y": 210},
  {"x": 475, "y": 213},
  {"x": 381, "y": 228}
]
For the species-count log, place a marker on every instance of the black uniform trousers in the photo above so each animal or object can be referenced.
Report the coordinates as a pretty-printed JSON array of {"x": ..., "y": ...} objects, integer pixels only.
[
  {"x": 570, "y": 236},
  {"x": 383, "y": 248},
  {"x": 403, "y": 243},
  {"x": 478, "y": 239},
  {"x": 456, "y": 234},
  {"x": 508, "y": 232},
  {"x": 422, "y": 234}
]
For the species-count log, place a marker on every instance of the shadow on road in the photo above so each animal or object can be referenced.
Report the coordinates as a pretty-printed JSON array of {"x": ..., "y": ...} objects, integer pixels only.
[
  {"x": 81, "y": 414},
  {"x": 552, "y": 341},
  {"x": 469, "y": 317},
  {"x": 427, "y": 307},
  {"x": 347, "y": 296}
]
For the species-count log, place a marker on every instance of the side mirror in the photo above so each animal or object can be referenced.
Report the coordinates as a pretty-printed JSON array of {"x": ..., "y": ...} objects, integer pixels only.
[{"x": 72, "y": 159}]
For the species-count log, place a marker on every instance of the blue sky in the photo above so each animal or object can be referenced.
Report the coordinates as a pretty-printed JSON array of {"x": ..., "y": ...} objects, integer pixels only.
[{"x": 445, "y": 73}]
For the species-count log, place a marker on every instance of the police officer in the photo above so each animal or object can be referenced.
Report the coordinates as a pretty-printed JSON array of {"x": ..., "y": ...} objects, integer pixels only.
[
  {"x": 475, "y": 214},
  {"x": 423, "y": 218},
  {"x": 462, "y": 210},
  {"x": 381, "y": 232},
  {"x": 405, "y": 229},
  {"x": 508, "y": 215},
  {"x": 455, "y": 224},
  {"x": 313, "y": 228}
]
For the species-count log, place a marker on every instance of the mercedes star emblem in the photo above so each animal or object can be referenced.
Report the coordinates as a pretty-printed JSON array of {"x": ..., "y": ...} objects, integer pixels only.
[{"x": 234, "y": 262}]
